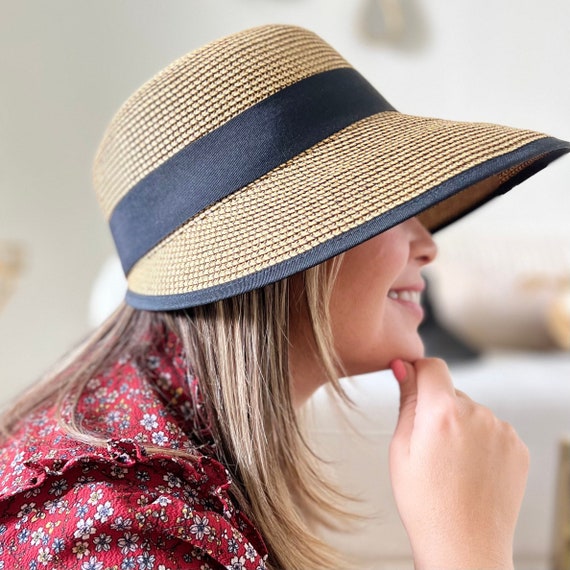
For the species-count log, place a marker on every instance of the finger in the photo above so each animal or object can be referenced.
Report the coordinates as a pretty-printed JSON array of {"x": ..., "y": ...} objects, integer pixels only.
[
  {"x": 433, "y": 381},
  {"x": 406, "y": 376},
  {"x": 463, "y": 395}
]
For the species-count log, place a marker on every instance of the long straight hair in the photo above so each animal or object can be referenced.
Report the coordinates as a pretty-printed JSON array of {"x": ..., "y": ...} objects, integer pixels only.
[{"x": 238, "y": 349}]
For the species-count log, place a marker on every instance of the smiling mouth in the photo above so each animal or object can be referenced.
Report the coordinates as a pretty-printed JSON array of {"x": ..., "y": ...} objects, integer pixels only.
[{"x": 405, "y": 295}]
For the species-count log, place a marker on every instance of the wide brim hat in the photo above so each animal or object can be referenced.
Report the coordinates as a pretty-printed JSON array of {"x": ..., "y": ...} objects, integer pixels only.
[{"x": 265, "y": 153}]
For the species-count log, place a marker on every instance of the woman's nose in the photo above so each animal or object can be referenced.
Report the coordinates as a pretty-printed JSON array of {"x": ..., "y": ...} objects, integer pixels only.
[{"x": 424, "y": 248}]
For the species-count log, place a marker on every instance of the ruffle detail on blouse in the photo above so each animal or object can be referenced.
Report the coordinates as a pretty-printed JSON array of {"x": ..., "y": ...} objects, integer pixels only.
[
  {"x": 193, "y": 505},
  {"x": 204, "y": 472}
]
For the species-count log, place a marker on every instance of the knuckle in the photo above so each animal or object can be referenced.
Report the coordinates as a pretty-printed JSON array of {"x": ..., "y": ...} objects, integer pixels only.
[
  {"x": 446, "y": 405},
  {"x": 509, "y": 430},
  {"x": 447, "y": 412},
  {"x": 436, "y": 363},
  {"x": 515, "y": 441},
  {"x": 511, "y": 433},
  {"x": 461, "y": 394},
  {"x": 486, "y": 415}
]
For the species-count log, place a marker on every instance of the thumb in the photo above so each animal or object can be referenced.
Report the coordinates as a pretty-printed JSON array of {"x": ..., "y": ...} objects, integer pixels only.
[{"x": 406, "y": 375}]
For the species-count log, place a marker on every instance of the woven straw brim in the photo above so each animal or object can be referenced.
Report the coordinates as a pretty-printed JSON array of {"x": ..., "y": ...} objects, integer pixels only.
[{"x": 347, "y": 188}]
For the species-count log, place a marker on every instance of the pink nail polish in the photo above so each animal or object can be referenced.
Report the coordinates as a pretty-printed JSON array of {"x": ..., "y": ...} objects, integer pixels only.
[{"x": 398, "y": 369}]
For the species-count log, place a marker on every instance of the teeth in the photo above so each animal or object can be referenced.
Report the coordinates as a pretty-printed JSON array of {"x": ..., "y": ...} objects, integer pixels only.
[{"x": 411, "y": 296}]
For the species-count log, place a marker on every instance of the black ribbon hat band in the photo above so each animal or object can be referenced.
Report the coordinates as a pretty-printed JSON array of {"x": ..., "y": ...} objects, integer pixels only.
[{"x": 235, "y": 154}]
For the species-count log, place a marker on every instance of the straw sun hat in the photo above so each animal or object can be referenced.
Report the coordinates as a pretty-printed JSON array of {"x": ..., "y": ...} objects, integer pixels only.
[{"x": 264, "y": 153}]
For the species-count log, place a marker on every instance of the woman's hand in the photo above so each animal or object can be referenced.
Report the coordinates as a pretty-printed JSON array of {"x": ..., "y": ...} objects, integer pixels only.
[{"x": 458, "y": 473}]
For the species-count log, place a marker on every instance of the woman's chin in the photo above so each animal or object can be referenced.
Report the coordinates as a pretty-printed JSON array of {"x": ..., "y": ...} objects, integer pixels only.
[
  {"x": 375, "y": 359},
  {"x": 411, "y": 352}
]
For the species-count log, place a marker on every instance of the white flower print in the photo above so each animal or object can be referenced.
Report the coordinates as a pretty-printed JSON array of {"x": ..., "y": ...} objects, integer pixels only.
[
  {"x": 172, "y": 480},
  {"x": 39, "y": 537},
  {"x": 118, "y": 471},
  {"x": 250, "y": 552},
  {"x": 81, "y": 549},
  {"x": 236, "y": 563},
  {"x": 158, "y": 438},
  {"x": 58, "y": 544},
  {"x": 122, "y": 524},
  {"x": 46, "y": 431},
  {"x": 128, "y": 564},
  {"x": 104, "y": 512},
  {"x": 110, "y": 396},
  {"x": 146, "y": 561},
  {"x": 233, "y": 546},
  {"x": 58, "y": 487},
  {"x": 23, "y": 535},
  {"x": 85, "y": 528},
  {"x": 142, "y": 475},
  {"x": 17, "y": 459},
  {"x": 163, "y": 501},
  {"x": 92, "y": 564},
  {"x": 94, "y": 383},
  {"x": 149, "y": 422},
  {"x": 26, "y": 510},
  {"x": 82, "y": 510},
  {"x": 128, "y": 542},
  {"x": 113, "y": 416},
  {"x": 44, "y": 556},
  {"x": 124, "y": 424},
  {"x": 153, "y": 362},
  {"x": 102, "y": 542},
  {"x": 56, "y": 505},
  {"x": 95, "y": 496},
  {"x": 200, "y": 527}
]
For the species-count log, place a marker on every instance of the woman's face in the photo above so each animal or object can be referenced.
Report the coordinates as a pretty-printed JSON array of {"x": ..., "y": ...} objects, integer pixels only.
[{"x": 375, "y": 309}]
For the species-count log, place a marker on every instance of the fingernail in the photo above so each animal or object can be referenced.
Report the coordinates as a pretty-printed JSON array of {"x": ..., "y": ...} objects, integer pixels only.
[{"x": 398, "y": 369}]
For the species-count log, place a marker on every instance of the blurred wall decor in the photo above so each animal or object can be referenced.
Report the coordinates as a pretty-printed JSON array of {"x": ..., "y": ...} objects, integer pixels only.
[
  {"x": 559, "y": 315},
  {"x": 399, "y": 24},
  {"x": 11, "y": 264}
]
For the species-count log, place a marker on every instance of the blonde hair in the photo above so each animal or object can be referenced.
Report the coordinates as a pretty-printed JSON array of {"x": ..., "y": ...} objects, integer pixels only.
[{"x": 238, "y": 348}]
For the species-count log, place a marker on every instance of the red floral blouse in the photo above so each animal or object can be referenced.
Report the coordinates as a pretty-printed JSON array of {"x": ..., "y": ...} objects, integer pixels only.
[{"x": 66, "y": 504}]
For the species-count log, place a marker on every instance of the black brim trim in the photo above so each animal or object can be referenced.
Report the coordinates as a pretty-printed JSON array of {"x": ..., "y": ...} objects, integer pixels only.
[
  {"x": 548, "y": 149},
  {"x": 237, "y": 153}
]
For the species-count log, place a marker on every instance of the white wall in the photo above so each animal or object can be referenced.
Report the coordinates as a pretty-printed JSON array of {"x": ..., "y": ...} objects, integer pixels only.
[{"x": 66, "y": 66}]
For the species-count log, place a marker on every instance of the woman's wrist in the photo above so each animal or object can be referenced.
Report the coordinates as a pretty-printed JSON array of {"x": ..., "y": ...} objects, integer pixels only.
[
  {"x": 465, "y": 559},
  {"x": 463, "y": 554}
]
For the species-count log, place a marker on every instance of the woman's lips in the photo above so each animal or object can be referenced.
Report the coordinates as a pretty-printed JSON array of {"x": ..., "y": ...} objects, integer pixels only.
[
  {"x": 408, "y": 298},
  {"x": 405, "y": 295}
]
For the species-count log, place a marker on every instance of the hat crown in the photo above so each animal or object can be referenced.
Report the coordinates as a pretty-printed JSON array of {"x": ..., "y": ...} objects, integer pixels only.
[{"x": 198, "y": 93}]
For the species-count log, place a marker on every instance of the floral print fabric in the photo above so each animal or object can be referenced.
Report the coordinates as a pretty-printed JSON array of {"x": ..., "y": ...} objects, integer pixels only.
[{"x": 66, "y": 504}]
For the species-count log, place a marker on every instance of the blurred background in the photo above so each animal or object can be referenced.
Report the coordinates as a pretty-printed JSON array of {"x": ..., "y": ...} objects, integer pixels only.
[{"x": 500, "y": 291}]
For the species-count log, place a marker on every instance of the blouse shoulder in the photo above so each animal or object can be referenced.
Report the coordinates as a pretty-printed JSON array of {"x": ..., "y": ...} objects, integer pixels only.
[
  {"x": 67, "y": 504},
  {"x": 128, "y": 510}
]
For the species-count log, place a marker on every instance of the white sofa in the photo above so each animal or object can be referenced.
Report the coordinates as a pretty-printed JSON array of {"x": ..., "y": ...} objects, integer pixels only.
[{"x": 529, "y": 390}]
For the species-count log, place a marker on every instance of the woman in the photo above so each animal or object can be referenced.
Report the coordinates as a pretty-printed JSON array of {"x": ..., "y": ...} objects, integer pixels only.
[{"x": 270, "y": 210}]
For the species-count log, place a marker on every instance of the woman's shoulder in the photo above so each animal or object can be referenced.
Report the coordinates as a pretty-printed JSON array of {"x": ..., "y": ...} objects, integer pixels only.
[
  {"x": 123, "y": 406},
  {"x": 71, "y": 502},
  {"x": 122, "y": 504}
]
